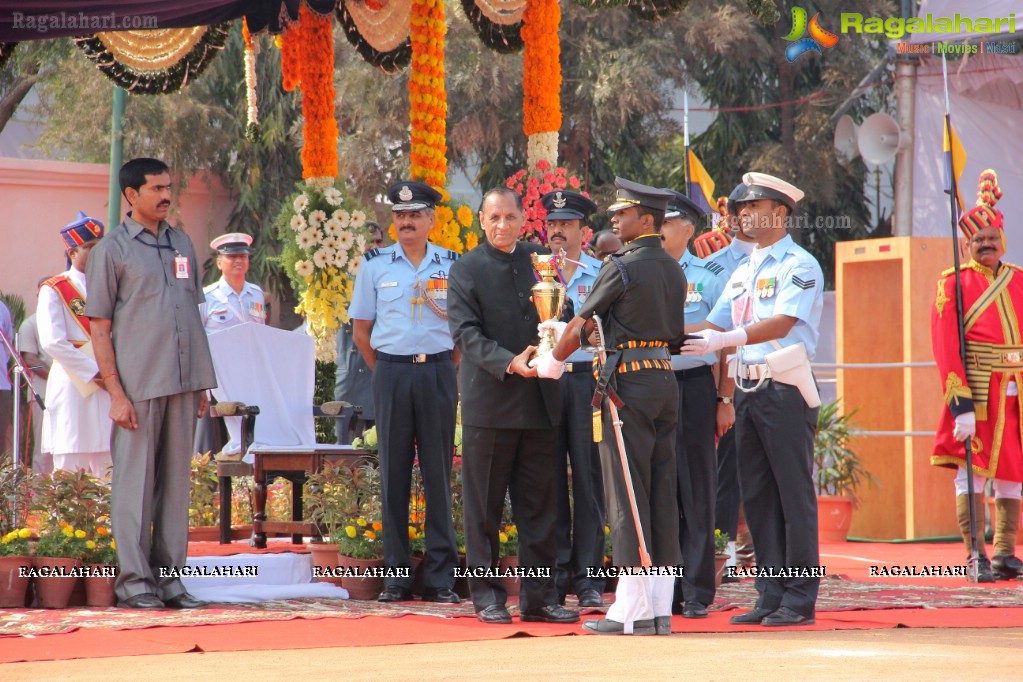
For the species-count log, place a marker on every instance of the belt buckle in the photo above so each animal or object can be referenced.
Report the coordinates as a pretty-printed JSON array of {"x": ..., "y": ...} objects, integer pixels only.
[
  {"x": 1013, "y": 358},
  {"x": 418, "y": 358}
]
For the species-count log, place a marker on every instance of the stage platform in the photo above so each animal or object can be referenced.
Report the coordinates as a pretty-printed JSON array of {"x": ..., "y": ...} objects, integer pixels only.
[{"x": 853, "y": 596}]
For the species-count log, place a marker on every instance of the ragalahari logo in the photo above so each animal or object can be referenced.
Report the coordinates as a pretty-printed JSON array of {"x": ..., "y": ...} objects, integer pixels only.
[{"x": 818, "y": 38}]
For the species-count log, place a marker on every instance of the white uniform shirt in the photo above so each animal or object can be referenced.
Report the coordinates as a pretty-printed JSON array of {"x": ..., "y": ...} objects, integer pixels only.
[
  {"x": 224, "y": 307},
  {"x": 71, "y": 423}
]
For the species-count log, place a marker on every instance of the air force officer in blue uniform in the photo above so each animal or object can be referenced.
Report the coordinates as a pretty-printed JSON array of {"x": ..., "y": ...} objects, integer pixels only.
[{"x": 399, "y": 314}]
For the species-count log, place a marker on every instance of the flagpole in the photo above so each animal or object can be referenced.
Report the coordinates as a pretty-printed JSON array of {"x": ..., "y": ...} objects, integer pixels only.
[
  {"x": 685, "y": 144},
  {"x": 954, "y": 204}
]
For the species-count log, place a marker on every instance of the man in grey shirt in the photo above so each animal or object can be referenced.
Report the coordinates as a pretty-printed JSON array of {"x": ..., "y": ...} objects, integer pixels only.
[{"x": 155, "y": 361}]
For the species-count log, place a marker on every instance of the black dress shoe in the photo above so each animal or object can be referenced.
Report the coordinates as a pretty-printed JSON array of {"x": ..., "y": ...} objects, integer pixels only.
[
  {"x": 753, "y": 617},
  {"x": 395, "y": 593},
  {"x": 441, "y": 595},
  {"x": 606, "y": 626},
  {"x": 1006, "y": 566},
  {"x": 552, "y": 613},
  {"x": 662, "y": 625},
  {"x": 694, "y": 609},
  {"x": 185, "y": 601},
  {"x": 786, "y": 616},
  {"x": 984, "y": 573},
  {"x": 495, "y": 613},
  {"x": 141, "y": 601},
  {"x": 590, "y": 598}
]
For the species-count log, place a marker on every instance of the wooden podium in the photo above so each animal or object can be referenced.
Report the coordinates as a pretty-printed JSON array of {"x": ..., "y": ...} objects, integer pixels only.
[{"x": 884, "y": 292}]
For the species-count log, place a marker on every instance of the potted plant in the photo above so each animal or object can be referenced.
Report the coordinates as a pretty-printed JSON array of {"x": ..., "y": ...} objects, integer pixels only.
[
  {"x": 838, "y": 472},
  {"x": 720, "y": 555},
  {"x": 15, "y": 560},
  {"x": 508, "y": 552},
  {"x": 338, "y": 497},
  {"x": 56, "y": 562},
  {"x": 360, "y": 549},
  {"x": 100, "y": 562}
]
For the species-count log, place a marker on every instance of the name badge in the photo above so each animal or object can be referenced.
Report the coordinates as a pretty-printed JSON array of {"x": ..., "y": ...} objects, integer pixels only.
[
  {"x": 180, "y": 267},
  {"x": 384, "y": 285}
]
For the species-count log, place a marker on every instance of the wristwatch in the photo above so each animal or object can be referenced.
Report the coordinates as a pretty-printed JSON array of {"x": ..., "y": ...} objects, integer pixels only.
[{"x": 727, "y": 400}]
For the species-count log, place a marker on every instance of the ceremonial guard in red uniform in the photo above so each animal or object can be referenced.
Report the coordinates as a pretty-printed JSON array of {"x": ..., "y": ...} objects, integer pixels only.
[{"x": 982, "y": 397}]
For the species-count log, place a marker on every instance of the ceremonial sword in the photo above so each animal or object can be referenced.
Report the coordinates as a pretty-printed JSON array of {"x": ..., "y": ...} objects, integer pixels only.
[{"x": 616, "y": 424}]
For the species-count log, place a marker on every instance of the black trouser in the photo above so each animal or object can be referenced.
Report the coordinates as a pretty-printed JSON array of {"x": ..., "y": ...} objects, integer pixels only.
[
  {"x": 649, "y": 418},
  {"x": 415, "y": 411},
  {"x": 517, "y": 461},
  {"x": 726, "y": 509},
  {"x": 774, "y": 432},
  {"x": 580, "y": 529},
  {"x": 697, "y": 482}
]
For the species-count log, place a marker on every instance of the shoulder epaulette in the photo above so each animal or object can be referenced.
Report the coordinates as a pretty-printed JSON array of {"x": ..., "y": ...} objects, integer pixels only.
[
  {"x": 621, "y": 268},
  {"x": 452, "y": 255},
  {"x": 371, "y": 254},
  {"x": 715, "y": 268},
  {"x": 56, "y": 279},
  {"x": 1014, "y": 267},
  {"x": 965, "y": 266}
]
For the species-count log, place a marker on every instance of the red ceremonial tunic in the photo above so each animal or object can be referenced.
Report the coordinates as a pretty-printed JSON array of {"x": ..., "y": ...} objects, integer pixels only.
[{"x": 994, "y": 356}]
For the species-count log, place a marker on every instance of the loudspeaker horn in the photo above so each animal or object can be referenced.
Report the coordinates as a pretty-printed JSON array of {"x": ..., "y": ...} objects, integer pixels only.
[
  {"x": 845, "y": 138},
  {"x": 878, "y": 139}
]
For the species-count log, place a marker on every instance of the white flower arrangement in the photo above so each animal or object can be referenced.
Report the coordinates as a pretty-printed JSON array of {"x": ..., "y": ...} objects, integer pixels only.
[
  {"x": 324, "y": 252},
  {"x": 542, "y": 146}
]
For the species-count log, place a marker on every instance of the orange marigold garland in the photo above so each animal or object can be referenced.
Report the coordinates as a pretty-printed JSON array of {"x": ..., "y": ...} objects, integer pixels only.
[
  {"x": 319, "y": 153},
  {"x": 428, "y": 99},
  {"x": 541, "y": 80},
  {"x": 290, "y": 43}
]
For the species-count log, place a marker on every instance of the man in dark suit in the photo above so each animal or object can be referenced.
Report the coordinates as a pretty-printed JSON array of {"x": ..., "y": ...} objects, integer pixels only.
[{"x": 508, "y": 415}]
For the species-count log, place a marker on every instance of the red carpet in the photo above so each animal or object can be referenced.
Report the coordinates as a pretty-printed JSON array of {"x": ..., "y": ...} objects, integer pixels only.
[{"x": 850, "y": 560}]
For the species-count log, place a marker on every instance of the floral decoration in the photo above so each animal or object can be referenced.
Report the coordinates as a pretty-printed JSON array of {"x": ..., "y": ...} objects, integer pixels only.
[
  {"x": 429, "y": 103},
  {"x": 16, "y": 543},
  {"x": 62, "y": 540},
  {"x": 361, "y": 539},
  {"x": 508, "y": 536},
  {"x": 531, "y": 185},
  {"x": 324, "y": 238},
  {"x": 290, "y": 44},
  {"x": 204, "y": 495},
  {"x": 541, "y": 80},
  {"x": 720, "y": 541},
  {"x": 251, "y": 106},
  {"x": 319, "y": 153}
]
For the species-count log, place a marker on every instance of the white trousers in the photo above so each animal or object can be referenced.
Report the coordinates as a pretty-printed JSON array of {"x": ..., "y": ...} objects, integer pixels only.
[
  {"x": 1009, "y": 490},
  {"x": 641, "y": 597},
  {"x": 95, "y": 463}
]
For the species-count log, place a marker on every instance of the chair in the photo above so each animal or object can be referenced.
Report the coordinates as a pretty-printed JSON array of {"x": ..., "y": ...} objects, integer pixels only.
[
  {"x": 343, "y": 412},
  {"x": 269, "y": 373}
]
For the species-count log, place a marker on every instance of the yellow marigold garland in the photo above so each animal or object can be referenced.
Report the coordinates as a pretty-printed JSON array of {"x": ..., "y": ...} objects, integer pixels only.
[
  {"x": 429, "y": 108},
  {"x": 453, "y": 228},
  {"x": 319, "y": 153},
  {"x": 290, "y": 43},
  {"x": 541, "y": 80}
]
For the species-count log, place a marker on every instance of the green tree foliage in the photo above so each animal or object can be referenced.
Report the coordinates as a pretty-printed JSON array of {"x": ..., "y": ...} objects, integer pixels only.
[{"x": 740, "y": 64}]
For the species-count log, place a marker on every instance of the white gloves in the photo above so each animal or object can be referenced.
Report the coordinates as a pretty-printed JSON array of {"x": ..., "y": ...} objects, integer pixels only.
[
  {"x": 549, "y": 368},
  {"x": 966, "y": 426},
  {"x": 711, "y": 340},
  {"x": 558, "y": 327}
]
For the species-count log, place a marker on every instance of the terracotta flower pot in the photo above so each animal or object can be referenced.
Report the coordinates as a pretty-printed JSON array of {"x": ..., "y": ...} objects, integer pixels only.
[
  {"x": 13, "y": 585},
  {"x": 326, "y": 558},
  {"x": 834, "y": 516},
  {"x": 361, "y": 587},
  {"x": 54, "y": 591},
  {"x": 99, "y": 589},
  {"x": 511, "y": 584},
  {"x": 719, "y": 568}
]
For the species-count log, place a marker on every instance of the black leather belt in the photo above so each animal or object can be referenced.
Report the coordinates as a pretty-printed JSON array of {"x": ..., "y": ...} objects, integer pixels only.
[
  {"x": 580, "y": 366},
  {"x": 694, "y": 372},
  {"x": 416, "y": 359}
]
